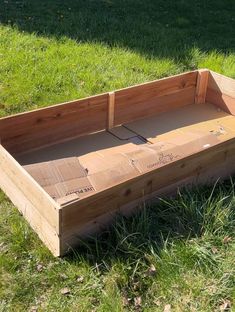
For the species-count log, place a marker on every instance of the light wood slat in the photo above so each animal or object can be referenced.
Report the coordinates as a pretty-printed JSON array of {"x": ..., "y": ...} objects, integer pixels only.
[
  {"x": 155, "y": 97},
  {"x": 159, "y": 87},
  {"x": 138, "y": 109},
  {"x": 40, "y": 225},
  {"x": 45, "y": 205},
  {"x": 53, "y": 124}
]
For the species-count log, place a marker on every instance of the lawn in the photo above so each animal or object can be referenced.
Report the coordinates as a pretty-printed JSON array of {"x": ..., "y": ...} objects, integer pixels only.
[{"x": 178, "y": 254}]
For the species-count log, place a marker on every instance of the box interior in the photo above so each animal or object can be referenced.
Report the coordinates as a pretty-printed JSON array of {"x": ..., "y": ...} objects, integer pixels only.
[{"x": 79, "y": 167}]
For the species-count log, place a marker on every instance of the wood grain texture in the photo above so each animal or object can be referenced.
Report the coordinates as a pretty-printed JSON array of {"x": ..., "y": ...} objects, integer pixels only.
[
  {"x": 75, "y": 215},
  {"x": 201, "y": 87},
  {"x": 154, "y": 97},
  {"x": 30, "y": 189},
  {"x": 40, "y": 225},
  {"x": 153, "y": 106},
  {"x": 221, "y": 92},
  {"x": 53, "y": 124},
  {"x": 221, "y": 84},
  {"x": 223, "y": 101}
]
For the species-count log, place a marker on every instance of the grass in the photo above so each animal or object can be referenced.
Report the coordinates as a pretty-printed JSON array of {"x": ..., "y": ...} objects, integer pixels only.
[{"x": 178, "y": 252}]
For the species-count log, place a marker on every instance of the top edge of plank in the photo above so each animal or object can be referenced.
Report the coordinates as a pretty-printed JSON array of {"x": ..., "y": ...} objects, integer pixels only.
[{"x": 221, "y": 75}]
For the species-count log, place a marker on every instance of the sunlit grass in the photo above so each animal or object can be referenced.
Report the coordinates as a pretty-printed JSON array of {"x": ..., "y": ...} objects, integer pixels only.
[
  {"x": 178, "y": 252},
  {"x": 184, "y": 239}
]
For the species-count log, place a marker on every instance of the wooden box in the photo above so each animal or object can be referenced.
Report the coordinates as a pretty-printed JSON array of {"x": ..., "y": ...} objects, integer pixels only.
[{"x": 71, "y": 167}]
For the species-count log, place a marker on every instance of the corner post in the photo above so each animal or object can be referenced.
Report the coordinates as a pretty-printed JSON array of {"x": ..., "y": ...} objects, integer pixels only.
[
  {"x": 111, "y": 102},
  {"x": 201, "y": 87}
]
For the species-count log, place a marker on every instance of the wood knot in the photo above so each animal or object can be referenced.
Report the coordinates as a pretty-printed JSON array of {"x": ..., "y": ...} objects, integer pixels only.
[
  {"x": 183, "y": 84},
  {"x": 127, "y": 192},
  {"x": 39, "y": 120}
]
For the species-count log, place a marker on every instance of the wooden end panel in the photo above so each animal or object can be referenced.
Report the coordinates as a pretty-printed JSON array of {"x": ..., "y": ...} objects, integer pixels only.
[
  {"x": 223, "y": 101},
  {"x": 206, "y": 166},
  {"x": 40, "y": 225},
  {"x": 221, "y": 92},
  {"x": 23, "y": 183},
  {"x": 221, "y": 84},
  {"x": 50, "y": 125},
  {"x": 155, "y": 97}
]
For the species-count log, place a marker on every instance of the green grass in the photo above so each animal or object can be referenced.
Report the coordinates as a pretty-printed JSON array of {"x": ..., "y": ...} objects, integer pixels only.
[{"x": 179, "y": 251}]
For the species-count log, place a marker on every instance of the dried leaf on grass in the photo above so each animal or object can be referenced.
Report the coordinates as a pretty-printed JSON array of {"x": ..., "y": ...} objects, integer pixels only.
[
  {"x": 225, "y": 306},
  {"x": 227, "y": 239},
  {"x": 167, "y": 308},
  {"x": 65, "y": 291},
  {"x": 152, "y": 270},
  {"x": 214, "y": 250},
  {"x": 80, "y": 279},
  {"x": 137, "y": 302},
  {"x": 126, "y": 301},
  {"x": 39, "y": 267}
]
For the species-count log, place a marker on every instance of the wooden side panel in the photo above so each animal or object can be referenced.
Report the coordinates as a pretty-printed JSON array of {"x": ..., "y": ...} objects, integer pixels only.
[
  {"x": 202, "y": 81},
  {"x": 154, "y": 97},
  {"x": 210, "y": 164},
  {"x": 46, "y": 126},
  {"x": 221, "y": 92},
  {"x": 23, "y": 182},
  {"x": 58, "y": 123},
  {"x": 40, "y": 225}
]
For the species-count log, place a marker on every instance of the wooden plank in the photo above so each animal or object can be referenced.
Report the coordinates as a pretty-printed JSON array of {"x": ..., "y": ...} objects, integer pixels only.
[
  {"x": 111, "y": 110},
  {"x": 159, "y": 87},
  {"x": 125, "y": 113},
  {"x": 34, "y": 193},
  {"x": 221, "y": 92},
  {"x": 54, "y": 124},
  {"x": 221, "y": 84},
  {"x": 223, "y": 101},
  {"x": 76, "y": 214},
  {"x": 40, "y": 225},
  {"x": 202, "y": 81},
  {"x": 50, "y": 125},
  {"x": 154, "y": 97}
]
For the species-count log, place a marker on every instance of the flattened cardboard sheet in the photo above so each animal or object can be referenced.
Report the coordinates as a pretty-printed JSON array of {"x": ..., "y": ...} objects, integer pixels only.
[
  {"x": 61, "y": 177},
  {"x": 113, "y": 175},
  {"x": 154, "y": 156},
  {"x": 85, "y": 165},
  {"x": 79, "y": 186},
  {"x": 97, "y": 162},
  {"x": 204, "y": 117}
]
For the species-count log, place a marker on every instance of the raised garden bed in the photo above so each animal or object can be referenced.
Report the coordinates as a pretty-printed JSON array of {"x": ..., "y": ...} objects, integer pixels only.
[{"x": 72, "y": 167}]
